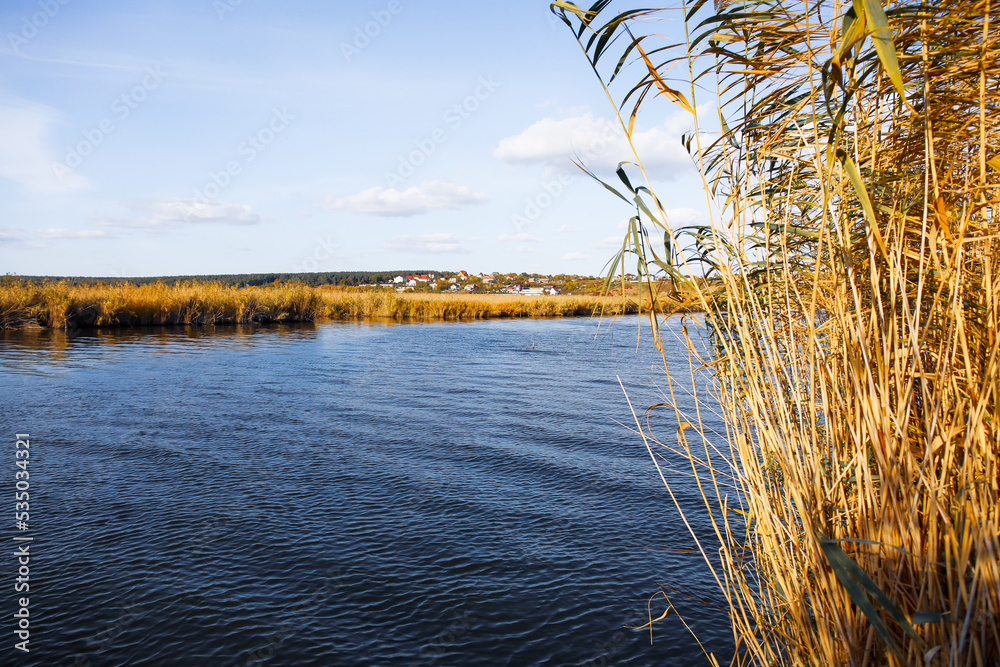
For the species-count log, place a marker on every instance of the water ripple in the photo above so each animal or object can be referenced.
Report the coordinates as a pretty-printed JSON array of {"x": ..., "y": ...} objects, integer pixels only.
[{"x": 343, "y": 494}]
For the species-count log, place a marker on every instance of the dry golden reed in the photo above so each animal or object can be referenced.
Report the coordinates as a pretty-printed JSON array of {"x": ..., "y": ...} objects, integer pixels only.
[
  {"x": 125, "y": 304},
  {"x": 853, "y": 188},
  {"x": 25, "y": 304}
]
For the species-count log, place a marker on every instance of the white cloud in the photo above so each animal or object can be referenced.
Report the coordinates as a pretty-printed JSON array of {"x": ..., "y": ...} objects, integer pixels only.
[
  {"x": 426, "y": 243},
  {"x": 79, "y": 234},
  {"x": 519, "y": 238},
  {"x": 574, "y": 255},
  {"x": 525, "y": 249},
  {"x": 680, "y": 217},
  {"x": 598, "y": 143},
  {"x": 428, "y": 196},
  {"x": 608, "y": 243},
  {"x": 566, "y": 229},
  {"x": 175, "y": 212},
  {"x": 25, "y": 156},
  {"x": 11, "y": 236},
  {"x": 676, "y": 217}
]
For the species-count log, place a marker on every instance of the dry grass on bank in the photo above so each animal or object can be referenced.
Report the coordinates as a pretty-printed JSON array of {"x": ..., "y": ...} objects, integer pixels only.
[
  {"x": 407, "y": 305},
  {"x": 59, "y": 305}
]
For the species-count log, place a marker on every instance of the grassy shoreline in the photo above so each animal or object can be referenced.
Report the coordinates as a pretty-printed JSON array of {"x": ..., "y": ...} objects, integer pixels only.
[{"x": 60, "y": 305}]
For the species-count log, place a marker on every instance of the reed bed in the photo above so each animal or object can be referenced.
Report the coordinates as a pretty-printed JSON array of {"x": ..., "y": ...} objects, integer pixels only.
[
  {"x": 853, "y": 188},
  {"x": 354, "y": 305},
  {"x": 59, "y": 305}
]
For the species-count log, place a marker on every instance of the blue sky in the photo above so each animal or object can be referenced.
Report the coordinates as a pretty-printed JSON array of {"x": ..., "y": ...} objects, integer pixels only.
[{"x": 225, "y": 136}]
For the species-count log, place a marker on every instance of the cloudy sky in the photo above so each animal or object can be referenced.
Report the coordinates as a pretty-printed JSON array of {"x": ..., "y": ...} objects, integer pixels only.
[{"x": 238, "y": 136}]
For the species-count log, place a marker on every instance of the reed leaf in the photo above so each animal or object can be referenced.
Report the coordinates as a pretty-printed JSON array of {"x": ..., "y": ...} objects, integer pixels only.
[{"x": 850, "y": 280}]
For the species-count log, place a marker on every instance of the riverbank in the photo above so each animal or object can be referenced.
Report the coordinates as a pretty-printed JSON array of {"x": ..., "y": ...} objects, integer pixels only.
[{"x": 59, "y": 305}]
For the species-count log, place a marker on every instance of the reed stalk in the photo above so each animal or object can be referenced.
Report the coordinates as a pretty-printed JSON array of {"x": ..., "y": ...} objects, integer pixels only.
[{"x": 852, "y": 176}]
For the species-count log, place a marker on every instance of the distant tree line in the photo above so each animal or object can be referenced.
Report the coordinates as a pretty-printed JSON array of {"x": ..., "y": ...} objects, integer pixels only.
[{"x": 342, "y": 278}]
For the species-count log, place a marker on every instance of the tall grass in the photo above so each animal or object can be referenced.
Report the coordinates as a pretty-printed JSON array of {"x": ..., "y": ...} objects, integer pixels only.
[
  {"x": 444, "y": 306},
  {"x": 61, "y": 305},
  {"x": 406, "y": 306},
  {"x": 852, "y": 180},
  {"x": 124, "y": 304}
]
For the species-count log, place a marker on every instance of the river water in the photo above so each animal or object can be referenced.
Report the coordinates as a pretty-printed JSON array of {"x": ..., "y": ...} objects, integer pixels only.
[{"x": 350, "y": 494}]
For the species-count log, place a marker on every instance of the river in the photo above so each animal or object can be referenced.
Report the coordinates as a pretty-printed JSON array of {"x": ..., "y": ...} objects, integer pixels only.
[{"x": 350, "y": 494}]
